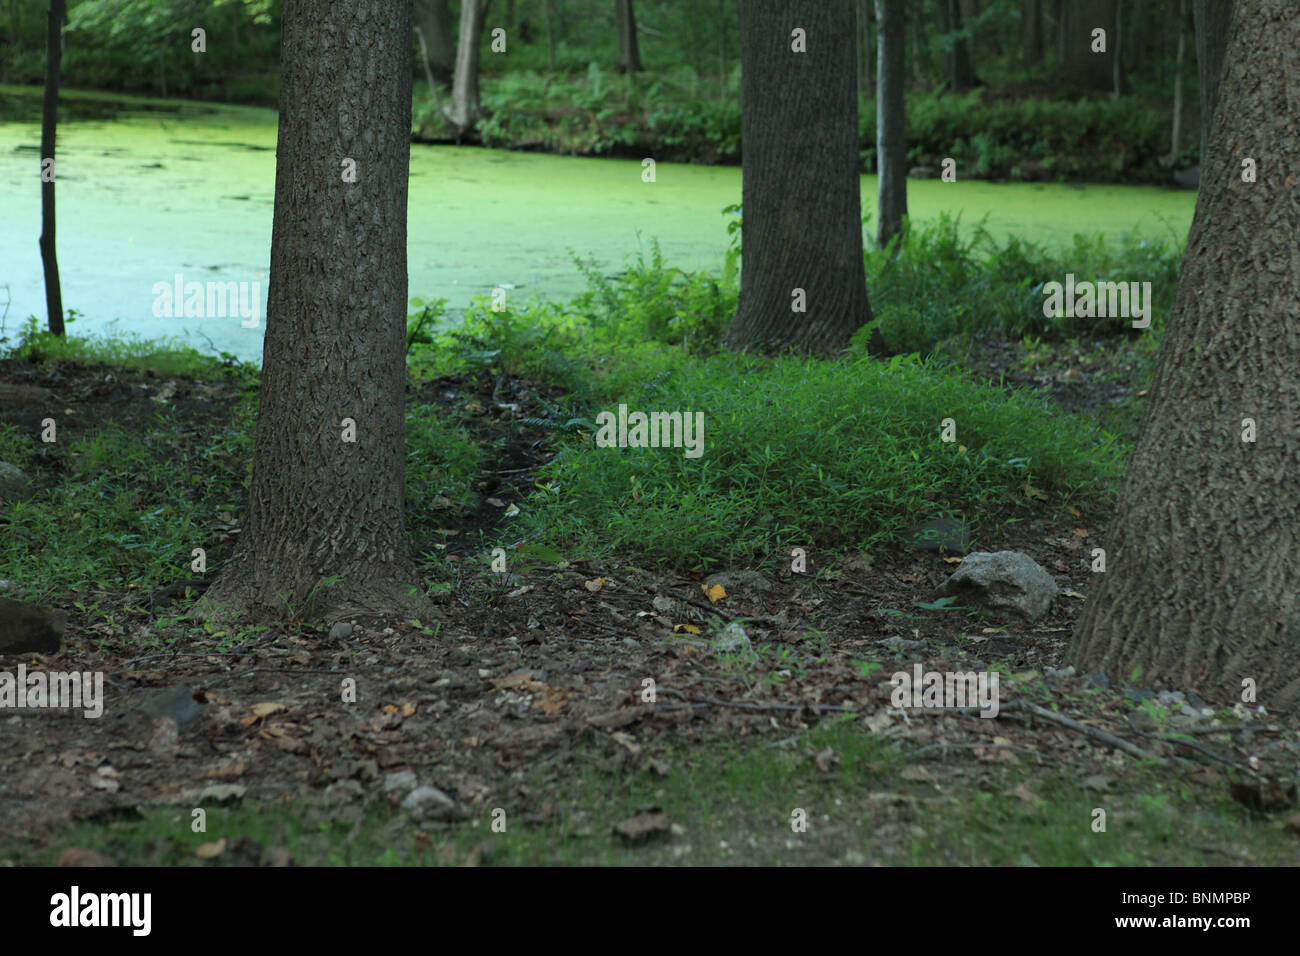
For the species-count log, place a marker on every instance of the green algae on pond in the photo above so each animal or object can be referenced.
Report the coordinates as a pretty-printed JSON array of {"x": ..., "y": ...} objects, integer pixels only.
[{"x": 151, "y": 189}]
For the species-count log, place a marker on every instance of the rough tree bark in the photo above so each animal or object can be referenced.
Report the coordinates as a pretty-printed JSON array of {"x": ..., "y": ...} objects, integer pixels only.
[
  {"x": 803, "y": 285},
  {"x": 629, "y": 52},
  {"x": 891, "y": 142},
  {"x": 1202, "y": 583},
  {"x": 1212, "y": 19},
  {"x": 55, "y": 18},
  {"x": 321, "y": 506}
]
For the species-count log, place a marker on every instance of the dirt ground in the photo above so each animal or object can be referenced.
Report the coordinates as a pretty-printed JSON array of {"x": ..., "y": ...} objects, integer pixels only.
[{"x": 521, "y": 671}]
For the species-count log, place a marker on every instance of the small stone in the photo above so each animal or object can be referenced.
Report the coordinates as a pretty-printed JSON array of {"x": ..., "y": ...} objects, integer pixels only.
[
  {"x": 15, "y": 484},
  {"x": 1099, "y": 681},
  {"x": 430, "y": 803},
  {"x": 400, "y": 780},
  {"x": 341, "y": 630},
  {"x": 1006, "y": 581}
]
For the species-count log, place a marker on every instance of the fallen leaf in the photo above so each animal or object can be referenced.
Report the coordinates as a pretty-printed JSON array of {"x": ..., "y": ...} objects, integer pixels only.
[
  {"x": 688, "y": 628},
  {"x": 950, "y": 559},
  {"x": 265, "y": 709},
  {"x": 715, "y": 593},
  {"x": 210, "y": 851},
  {"x": 1032, "y": 492},
  {"x": 595, "y": 584}
]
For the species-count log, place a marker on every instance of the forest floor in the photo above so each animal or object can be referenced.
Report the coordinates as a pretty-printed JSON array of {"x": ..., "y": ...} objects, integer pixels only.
[{"x": 518, "y": 725}]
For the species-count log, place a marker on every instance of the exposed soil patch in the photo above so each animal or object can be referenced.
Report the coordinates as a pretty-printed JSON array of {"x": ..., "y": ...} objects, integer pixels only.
[{"x": 523, "y": 671}]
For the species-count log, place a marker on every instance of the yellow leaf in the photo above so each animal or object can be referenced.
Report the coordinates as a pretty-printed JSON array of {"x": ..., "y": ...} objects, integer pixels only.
[
  {"x": 408, "y": 710},
  {"x": 265, "y": 709},
  {"x": 715, "y": 593},
  {"x": 1076, "y": 512},
  {"x": 688, "y": 628},
  {"x": 210, "y": 851},
  {"x": 1032, "y": 492},
  {"x": 595, "y": 584},
  {"x": 950, "y": 559}
]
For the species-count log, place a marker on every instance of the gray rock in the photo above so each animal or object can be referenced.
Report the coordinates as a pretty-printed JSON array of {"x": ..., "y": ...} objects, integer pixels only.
[
  {"x": 940, "y": 533},
  {"x": 1099, "y": 681},
  {"x": 30, "y": 628},
  {"x": 15, "y": 484},
  {"x": 1139, "y": 695},
  {"x": 430, "y": 803},
  {"x": 177, "y": 702},
  {"x": 1005, "y": 581},
  {"x": 401, "y": 780},
  {"x": 340, "y": 630}
]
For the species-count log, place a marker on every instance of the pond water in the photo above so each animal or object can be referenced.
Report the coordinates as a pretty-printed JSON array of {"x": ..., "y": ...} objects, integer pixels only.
[{"x": 148, "y": 190}]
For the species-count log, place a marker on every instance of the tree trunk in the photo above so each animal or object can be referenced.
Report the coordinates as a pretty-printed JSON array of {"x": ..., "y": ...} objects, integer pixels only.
[
  {"x": 891, "y": 142},
  {"x": 961, "y": 74},
  {"x": 1212, "y": 19},
  {"x": 1176, "y": 134},
  {"x": 55, "y": 19},
  {"x": 803, "y": 285},
  {"x": 629, "y": 53},
  {"x": 548, "y": 11},
  {"x": 722, "y": 47},
  {"x": 1082, "y": 68},
  {"x": 434, "y": 20},
  {"x": 465, "y": 108},
  {"x": 1034, "y": 29},
  {"x": 321, "y": 506},
  {"x": 1201, "y": 589}
]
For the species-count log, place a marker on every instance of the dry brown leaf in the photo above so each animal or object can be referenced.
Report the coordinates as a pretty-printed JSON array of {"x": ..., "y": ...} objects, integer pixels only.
[
  {"x": 210, "y": 851},
  {"x": 715, "y": 593}
]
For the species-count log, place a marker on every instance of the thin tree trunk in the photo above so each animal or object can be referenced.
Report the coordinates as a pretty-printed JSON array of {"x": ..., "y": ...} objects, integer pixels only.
[
  {"x": 1201, "y": 588},
  {"x": 1176, "y": 134},
  {"x": 55, "y": 18},
  {"x": 321, "y": 506},
  {"x": 466, "y": 108},
  {"x": 629, "y": 52},
  {"x": 803, "y": 284},
  {"x": 722, "y": 46},
  {"x": 891, "y": 143},
  {"x": 433, "y": 17},
  {"x": 1212, "y": 20},
  {"x": 548, "y": 11},
  {"x": 1034, "y": 28}
]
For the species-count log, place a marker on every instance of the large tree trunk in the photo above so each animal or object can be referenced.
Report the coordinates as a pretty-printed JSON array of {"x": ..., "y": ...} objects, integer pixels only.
[
  {"x": 891, "y": 142},
  {"x": 321, "y": 506},
  {"x": 629, "y": 54},
  {"x": 803, "y": 285},
  {"x": 1212, "y": 19},
  {"x": 465, "y": 108},
  {"x": 1201, "y": 590},
  {"x": 49, "y": 123},
  {"x": 433, "y": 17}
]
